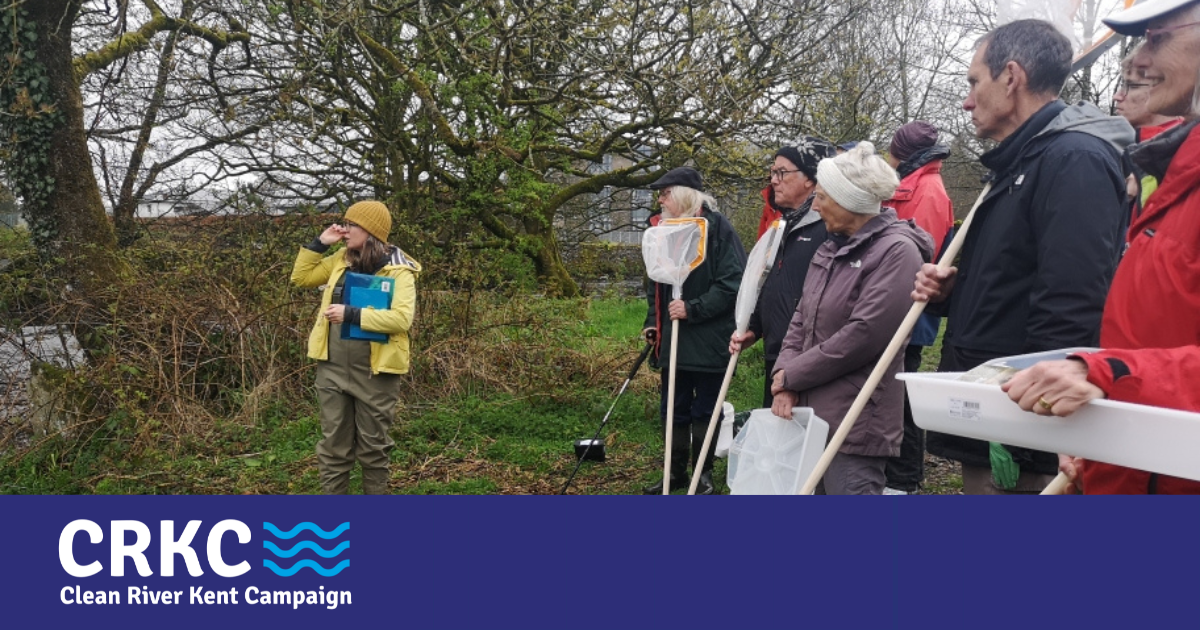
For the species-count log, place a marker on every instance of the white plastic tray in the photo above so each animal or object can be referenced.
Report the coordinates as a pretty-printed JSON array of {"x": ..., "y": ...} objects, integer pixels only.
[{"x": 1159, "y": 440}]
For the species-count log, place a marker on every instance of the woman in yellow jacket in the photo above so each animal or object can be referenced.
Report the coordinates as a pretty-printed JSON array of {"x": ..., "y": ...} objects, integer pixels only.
[{"x": 358, "y": 380}]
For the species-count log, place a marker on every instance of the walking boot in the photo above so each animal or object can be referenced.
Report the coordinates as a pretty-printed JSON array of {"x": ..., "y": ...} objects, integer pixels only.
[
  {"x": 679, "y": 461},
  {"x": 705, "y": 484},
  {"x": 335, "y": 482},
  {"x": 375, "y": 480}
]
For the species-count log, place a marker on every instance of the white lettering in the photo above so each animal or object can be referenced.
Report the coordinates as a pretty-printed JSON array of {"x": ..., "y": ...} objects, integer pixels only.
[
  {"x": 194, "y": 595},
  {"x": 214, "y": 548},
  {"x": 65, "y": 555},
  {"x": 75, "y": 595},
  {"x": 168, "y": 547},
  {"x": 119, "y": 550}
]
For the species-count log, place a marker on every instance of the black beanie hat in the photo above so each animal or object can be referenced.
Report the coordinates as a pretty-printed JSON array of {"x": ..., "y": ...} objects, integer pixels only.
[{"x": 806, "y": 153}]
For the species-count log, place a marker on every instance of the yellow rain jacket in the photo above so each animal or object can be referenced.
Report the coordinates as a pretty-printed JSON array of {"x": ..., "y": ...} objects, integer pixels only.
[{"x": 313, "y": 269}]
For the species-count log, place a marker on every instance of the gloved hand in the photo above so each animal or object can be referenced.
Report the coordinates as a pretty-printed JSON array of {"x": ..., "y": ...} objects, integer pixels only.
[{"x": 1005, "y": 471}]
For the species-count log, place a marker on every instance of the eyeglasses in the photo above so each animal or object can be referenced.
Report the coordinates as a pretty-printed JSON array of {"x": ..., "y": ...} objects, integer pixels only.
[
  {"x": 1157, "y": 37},
  {"x": 1130, "y": 86},
  {"x": 780, "y": 173},
  {"x": 665, "y": 192}
]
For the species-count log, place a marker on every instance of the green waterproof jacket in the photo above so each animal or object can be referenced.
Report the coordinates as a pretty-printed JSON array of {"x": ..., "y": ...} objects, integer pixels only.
[{"x": 710, "y": 293}]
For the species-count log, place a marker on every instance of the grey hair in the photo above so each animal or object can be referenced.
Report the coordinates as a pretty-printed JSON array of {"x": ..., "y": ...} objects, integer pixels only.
[
  {"x": 691, "y": 200},
  {"x": 1127, "y": 62},
  {"x": 866, "y": 170},
  {"x": 1194, "y": 112},
  {"x": 1036, "y": 46}
]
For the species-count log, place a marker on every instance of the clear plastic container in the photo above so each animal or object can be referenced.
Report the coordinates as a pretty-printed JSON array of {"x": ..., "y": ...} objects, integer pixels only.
[{"x": 771, "y": 455}]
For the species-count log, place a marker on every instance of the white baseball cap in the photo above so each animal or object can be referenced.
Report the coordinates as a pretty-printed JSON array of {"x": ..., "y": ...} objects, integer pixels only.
[{"x": 1132, "y": 21}]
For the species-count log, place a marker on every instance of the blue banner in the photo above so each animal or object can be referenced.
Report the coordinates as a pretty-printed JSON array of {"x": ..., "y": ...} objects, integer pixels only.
[{"x": 598, "y": 562}]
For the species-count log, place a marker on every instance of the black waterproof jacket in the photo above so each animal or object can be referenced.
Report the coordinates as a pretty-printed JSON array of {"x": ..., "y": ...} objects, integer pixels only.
[
  {"x": 710, "y": 293},
  {"x": 785, "y": 283},
  {"x": 1040, "y": 253}
]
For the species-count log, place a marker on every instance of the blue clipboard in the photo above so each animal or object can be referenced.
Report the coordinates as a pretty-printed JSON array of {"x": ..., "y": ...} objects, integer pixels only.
[{"x": 364, "y": 291}]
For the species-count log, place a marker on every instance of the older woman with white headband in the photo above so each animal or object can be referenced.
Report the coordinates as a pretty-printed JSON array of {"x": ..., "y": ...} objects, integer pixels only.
[{"x": 855, "y": 296}]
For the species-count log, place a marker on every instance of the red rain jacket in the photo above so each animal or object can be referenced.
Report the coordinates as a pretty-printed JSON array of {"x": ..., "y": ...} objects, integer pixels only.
[
  {"x": 922, "y": 197},
  {"x": 769, "y": 213},
  {"x": 1151, "y": 325}
]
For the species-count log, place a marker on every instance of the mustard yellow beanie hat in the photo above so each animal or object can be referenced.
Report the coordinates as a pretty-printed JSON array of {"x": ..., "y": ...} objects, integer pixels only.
[{"x": 373, "y": 217}]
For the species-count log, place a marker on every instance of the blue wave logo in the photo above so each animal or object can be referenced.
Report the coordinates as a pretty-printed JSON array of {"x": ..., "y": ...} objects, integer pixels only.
[{"x": 306, "y": 545}]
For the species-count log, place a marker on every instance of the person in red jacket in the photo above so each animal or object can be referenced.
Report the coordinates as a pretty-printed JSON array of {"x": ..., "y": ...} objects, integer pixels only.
[
  {"x": 1151, "y": 326},
  {"x": 770, "y": 212},
  {"x": 917, "y": 157}
]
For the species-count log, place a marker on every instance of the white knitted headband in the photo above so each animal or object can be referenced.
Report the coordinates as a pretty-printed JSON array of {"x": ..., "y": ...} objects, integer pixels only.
[{"x": 843, "y": 191}]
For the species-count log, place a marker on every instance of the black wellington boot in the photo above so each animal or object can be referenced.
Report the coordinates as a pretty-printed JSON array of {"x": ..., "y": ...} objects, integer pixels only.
[
  {"x": 679, "y": 461},
  {"x": 705, "y": 486}
]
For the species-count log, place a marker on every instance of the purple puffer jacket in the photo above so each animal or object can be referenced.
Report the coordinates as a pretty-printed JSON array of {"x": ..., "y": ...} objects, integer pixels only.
[{"x": 855, "y": 297}]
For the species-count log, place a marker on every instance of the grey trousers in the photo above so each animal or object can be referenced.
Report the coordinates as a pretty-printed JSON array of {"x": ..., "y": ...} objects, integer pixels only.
[
  {"x": 853, "y": 474},
  {"x": 357, "y": 409}
]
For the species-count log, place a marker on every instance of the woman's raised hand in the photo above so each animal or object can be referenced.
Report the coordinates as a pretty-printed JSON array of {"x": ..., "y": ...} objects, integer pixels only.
[{"x": 333, "y": 234}]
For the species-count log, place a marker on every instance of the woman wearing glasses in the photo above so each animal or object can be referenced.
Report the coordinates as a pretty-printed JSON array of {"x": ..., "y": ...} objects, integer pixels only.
[
  {"x": 358, "y": 380},
  {"x": 705, "y": 315},
  {"x": 1130, "y": 101}
]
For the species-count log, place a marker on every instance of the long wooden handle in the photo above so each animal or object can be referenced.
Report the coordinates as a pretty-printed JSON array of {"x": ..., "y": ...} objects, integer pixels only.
[
  {"x": 881, "y": 367},
  {"x": 670, "y": 408},
  {"x": 712, "y": 422},
  {"x": 1057, "y": 486}
]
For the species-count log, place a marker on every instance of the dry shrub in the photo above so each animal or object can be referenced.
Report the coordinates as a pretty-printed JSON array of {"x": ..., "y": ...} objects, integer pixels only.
[
  {"x": 203, "y": 328},
  {"x": 491, "y": 343},
  {"x": 206, "y": 330}
]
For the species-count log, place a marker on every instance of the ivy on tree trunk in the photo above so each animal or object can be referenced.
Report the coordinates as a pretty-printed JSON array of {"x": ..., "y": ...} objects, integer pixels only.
[{"x": 47, "y": 155}]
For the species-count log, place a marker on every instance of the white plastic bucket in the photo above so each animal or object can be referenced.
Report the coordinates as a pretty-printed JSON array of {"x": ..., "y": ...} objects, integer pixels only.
[{"x": 771, "y": 455}]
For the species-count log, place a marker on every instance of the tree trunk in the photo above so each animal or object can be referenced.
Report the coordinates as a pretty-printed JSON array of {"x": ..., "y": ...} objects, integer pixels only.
[
  {"x": 542, "y": 248},
  {"x": 69, "y": 221}
]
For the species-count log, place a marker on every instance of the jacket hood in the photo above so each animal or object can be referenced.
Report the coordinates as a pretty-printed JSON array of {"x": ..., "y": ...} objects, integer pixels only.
[
  {"x": 401, "y": 260},
  {"x": 1156, "y": 154},
  {"x": 921, "y": 158},
  {"x": 1087, "y": 118},
  {"x": 887, "y": 224}
]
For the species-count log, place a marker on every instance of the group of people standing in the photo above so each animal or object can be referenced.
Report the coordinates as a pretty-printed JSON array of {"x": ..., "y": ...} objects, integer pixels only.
[
  {"x": 838, "y": 289},
  {"x": 1087, "y": 236}
]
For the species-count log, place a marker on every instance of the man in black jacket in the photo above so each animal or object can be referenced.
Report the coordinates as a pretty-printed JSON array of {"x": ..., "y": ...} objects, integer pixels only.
[
  {"x": 1042, "y": 249},
  {"x": 793, "y": 179}
]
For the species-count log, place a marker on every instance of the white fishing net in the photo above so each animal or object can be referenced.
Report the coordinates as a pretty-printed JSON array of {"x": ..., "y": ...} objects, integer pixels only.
[
  {"x": 758, "y": 266},
  {"x": 672, "y": 249},
  {"x": 1061, "y": 13}
]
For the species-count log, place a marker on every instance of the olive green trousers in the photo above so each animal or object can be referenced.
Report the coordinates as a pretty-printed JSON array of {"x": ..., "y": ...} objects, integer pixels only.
[{"x": 357, "y": 409}]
